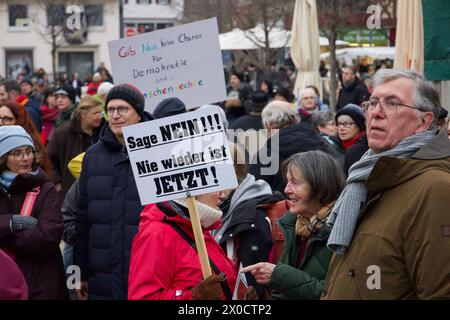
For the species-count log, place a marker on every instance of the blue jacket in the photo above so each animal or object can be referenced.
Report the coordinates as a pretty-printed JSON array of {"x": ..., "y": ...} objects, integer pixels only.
[
  {"x": 109, "y": 217},
  {"x": 34, "y": 111}
]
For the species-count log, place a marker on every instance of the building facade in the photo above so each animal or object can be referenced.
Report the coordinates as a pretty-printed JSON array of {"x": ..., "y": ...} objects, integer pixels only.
[
  {"x": 149, "y": 15},
  {"x": 78, "y": 33}
]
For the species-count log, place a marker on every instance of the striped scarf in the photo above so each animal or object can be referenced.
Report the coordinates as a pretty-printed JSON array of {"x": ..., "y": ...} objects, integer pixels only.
[{"x": 348, "y": 207}]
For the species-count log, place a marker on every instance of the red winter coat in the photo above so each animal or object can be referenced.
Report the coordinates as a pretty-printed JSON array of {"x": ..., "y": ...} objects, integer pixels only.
[{"x": 163, "y": 265}]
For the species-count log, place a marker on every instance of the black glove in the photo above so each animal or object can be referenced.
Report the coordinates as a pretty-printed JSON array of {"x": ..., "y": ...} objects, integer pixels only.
[
  {"x": 19, "y": 223},
  {"x": 209, "y": 288}
]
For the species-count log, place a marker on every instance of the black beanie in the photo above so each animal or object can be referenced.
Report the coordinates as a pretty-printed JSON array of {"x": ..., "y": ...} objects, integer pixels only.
[
  {"x": 169, "y": 107},
  {"x": 355, "y": 112},
  {"x": 130, "y": 94},
  {"x": 68, "y": 91}
]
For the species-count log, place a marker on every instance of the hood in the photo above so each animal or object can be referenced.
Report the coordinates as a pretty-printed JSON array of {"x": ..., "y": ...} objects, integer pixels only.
[
  {"x": 249, "y": 189},
  {"x": 297, "y": 138},
  {"x": 171, "y": 211},
  {"x": 389, "y": 172}
]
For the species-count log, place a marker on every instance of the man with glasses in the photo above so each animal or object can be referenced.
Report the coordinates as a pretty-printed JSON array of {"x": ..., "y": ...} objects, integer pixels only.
[
  {"x": 391, "y": 225},
  {"x": 109, "y": 204}
]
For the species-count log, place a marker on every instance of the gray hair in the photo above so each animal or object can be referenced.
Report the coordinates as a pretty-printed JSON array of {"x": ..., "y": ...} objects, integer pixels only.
[
  {"x": 425, "y": 95},
  {"x": 306, "y": 90},
  {"x": 320, "y": 119},
  {"x": 279, "y": 114},
  {"x": 322, "y": 172}
]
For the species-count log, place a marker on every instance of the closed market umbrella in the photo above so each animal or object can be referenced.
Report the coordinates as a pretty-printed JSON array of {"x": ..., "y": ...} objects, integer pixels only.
[
  {"x": 305, "y": 49},
  {"x": 409, "y": 42}
]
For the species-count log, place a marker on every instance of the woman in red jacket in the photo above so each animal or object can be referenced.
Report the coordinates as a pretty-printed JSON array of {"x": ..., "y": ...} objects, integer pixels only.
[{"x": 163, "y": 264}]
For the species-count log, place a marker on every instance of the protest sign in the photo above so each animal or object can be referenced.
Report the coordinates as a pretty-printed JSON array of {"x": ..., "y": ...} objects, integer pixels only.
[
  {"x": 183, "y": 61},
  {"x": 179, "y": 154}
]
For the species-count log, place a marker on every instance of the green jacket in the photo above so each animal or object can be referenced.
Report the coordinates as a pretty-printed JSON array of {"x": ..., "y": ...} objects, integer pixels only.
[{"x": 305, "y": 283}]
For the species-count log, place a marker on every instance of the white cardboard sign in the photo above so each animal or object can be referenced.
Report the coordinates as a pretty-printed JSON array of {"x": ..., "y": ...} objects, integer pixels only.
[
  {"x": 183, "y": 61},
  {"x": 176, "y": 155}
]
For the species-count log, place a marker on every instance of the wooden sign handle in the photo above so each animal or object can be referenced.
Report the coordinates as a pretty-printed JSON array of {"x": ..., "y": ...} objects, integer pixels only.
[{"x": 198, "y": 235}]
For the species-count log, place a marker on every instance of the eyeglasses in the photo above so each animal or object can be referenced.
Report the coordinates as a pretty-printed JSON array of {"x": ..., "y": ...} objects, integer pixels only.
[
  {"x": 120, "y": 110},
  {"x": 19, "y": 155},
  {"x": 6, "y": 120},
  {"x": 345, "y": 124},
  {"x": 387, "y": 106}
]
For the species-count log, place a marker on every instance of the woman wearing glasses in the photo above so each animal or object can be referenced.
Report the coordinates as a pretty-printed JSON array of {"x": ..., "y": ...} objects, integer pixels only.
[
  {"x": 11, "y": 113},
  {"x": 31, "y": 225},
  {"x": 73, "y": 138},
  {"x": 350, "y": 122}
]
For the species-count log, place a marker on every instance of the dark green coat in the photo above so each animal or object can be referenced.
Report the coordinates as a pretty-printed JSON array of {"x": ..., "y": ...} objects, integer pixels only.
[{"x": 290, "y": 283}]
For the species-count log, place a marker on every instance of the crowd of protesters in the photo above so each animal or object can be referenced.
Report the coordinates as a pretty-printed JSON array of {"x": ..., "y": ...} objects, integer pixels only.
[{"x": 345, "y": 190}]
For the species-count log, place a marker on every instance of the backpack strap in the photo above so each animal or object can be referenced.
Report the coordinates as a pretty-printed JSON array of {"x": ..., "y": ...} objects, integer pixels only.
[
  {"x": 28, "y": 203},
  {"x": 191, "y": 242}
]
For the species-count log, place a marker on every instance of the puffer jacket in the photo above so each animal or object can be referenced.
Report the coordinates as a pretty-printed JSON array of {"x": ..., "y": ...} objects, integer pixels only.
[
  {"x": 305, "y": 282},
  {"x": 109, "y": 207},
  {"x": 163, "y": 265},
  {"x": 400, "y": 247}
]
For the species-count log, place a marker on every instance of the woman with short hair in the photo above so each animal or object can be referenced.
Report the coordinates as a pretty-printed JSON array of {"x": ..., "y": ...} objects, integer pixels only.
[{"x": 315, "y": 180}]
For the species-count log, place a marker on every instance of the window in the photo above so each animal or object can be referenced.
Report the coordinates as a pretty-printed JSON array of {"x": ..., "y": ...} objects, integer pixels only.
[
  {"x": 56, "y": 14},
  {"x": 164, "y": 2},
  {"x": 144, "y": 1},
  {"x": 18, "y": 16},
  {"x": 94, "y": 14},
  {"x": 18, "y": 62},
  {"x": 145, "y": 27},
  {"x": 163, "y": 25}
]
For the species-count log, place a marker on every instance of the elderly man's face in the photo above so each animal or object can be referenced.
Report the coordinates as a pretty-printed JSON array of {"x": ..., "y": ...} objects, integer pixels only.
[{"x": 385, "y": 129}]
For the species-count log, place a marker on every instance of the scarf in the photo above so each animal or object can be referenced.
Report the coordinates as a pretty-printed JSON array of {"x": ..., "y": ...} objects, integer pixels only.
[
  {"x": 308, "y": 227},
  {"x": 7, "y": 177},
  {"x": 207, "y": 215},
  {"x": 348, "y": 143},
  {"x": 49, "y": 114},
  {"x": 348, "y": 206}
]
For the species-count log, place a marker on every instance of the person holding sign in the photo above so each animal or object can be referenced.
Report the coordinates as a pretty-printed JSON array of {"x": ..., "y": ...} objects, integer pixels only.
[
  {"x": 164, "y": 264},
  {"x": 109, "y": 202}
]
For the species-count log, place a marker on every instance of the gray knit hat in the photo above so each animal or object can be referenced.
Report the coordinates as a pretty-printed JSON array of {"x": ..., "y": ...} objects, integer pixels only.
[
  {"x": 12, "y": 137},
  {"x": 130, "y": 94}
]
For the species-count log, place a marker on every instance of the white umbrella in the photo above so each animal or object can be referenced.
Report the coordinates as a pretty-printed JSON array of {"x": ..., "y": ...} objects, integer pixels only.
[
  {"x": 409, "y": 41},
  {"x": 305, "y": 49},
  {"x": 253, "y": 38}
]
